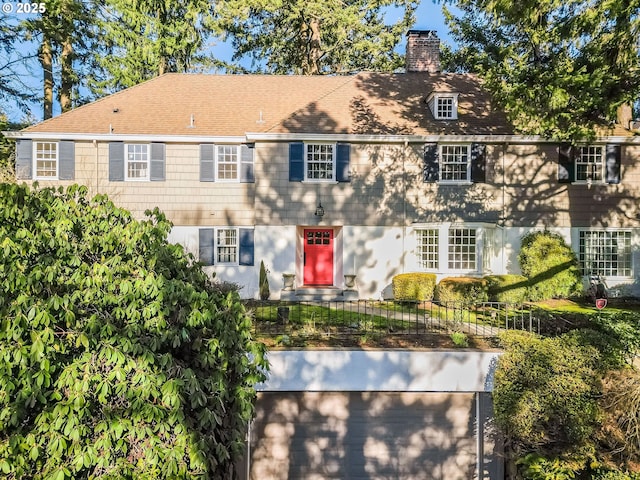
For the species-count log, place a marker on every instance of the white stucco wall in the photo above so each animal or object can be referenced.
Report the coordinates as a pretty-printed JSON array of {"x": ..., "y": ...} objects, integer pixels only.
[
  {"x": 376, "y": 254},
  {"x": 381, "y": 371}
]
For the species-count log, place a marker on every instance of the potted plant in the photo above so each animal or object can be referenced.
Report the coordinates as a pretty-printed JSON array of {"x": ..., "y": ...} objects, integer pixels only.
[{"x": 289, "y": 280}]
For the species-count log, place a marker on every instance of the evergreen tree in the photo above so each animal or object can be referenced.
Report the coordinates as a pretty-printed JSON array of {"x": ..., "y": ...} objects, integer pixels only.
[
  {"x": 313, "y": 37},
  {"x": 560, "y": 69},
  {"x": 144, "y": 39},
  {"x": 63, "y": 30}
]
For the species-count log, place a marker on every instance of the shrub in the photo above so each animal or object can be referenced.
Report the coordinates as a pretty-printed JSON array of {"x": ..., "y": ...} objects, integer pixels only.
[
  {"x": 545, "y": 395},
  {"x": 462, "y": 290},
  {"x": 550, "y": 265},
  {"x": 413, "y": 287},
  {"x": 507, "y": 288},
  {"x": 120, "y": 359}
]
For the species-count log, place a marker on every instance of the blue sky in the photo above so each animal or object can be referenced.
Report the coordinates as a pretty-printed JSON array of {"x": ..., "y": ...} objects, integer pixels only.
[{"x": 429, "y": 16}]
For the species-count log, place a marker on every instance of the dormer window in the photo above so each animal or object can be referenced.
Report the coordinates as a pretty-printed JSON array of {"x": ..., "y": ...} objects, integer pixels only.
[{"x": 444, "y": 106}]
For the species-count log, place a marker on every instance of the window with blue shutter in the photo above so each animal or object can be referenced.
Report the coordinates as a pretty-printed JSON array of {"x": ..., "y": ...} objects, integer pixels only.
[
  {"x": 24, "y": 159},
  {"x": 157, "y": 166},
  {"x": 296, "y": 162},
  {"x": 566, "y": 163},
  {"x": 612, "y": 164},
  {"x": 343, "y": 156},
  {"x": 206, "y": 247},
  {"x": 207, "y": 163},
  {"x": 246, "y": 247},
  {"x": 116, "y": 161},
  {"x": 478, "y": 163},
  {"x": 67, "y": 160},
  {"x": 431, "y": 167},
  {"x": 246, "y": 163}
]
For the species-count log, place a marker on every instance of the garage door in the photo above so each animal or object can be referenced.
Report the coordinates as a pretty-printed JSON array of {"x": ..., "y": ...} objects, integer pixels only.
[{"x": 363, "y": 435}]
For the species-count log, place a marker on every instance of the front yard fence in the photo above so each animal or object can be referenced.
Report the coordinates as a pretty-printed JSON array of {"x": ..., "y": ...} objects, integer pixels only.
[{"x": 363, "y": 317}]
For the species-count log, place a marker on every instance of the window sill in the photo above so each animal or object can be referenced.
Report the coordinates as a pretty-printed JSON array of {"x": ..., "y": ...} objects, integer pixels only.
[{"x": 328, "y": 182}]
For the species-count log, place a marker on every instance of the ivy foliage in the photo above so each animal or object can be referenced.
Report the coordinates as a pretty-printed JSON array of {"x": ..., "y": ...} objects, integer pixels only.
[{"x": 118, "y": 357}]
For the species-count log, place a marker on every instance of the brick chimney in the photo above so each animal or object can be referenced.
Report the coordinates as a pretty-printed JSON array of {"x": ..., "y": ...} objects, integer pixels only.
[{"x": 423, "y": 51}]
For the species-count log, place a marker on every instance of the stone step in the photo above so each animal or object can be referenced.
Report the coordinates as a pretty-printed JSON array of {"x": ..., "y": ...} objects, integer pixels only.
[{"x": 318, "y": 294}]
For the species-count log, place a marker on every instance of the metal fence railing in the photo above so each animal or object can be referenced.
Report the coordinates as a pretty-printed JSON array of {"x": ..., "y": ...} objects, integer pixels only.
[{"x": 360, "y": 317}]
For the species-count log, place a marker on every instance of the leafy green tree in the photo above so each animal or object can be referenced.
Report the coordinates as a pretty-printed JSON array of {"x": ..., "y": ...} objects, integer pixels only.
[
  {"x": 144, "y": 39},
  {"x": 560, "y": 69},
  {"x": 313, "y": 37},
  {"x": 118, "y": 357}
]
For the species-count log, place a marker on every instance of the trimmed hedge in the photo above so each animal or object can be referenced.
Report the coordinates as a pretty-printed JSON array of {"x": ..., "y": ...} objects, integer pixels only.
[
  {"x": 413, "y": 287},
  {"x": 507, "y": 288},
  {"x": 550, "y": 265},
  {"x": 462, "y": 290}
]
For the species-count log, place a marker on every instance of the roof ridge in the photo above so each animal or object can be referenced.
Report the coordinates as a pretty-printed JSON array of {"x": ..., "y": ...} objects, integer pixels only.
[
  {"x": 350, "y": 78},
  {"x": 100, "y": 100}
]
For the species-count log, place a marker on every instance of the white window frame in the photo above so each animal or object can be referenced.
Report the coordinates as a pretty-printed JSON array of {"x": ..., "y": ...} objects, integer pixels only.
[
  {"x": 36, "y": 150},
  {"x": 217, "y": 246},
  {"x": 441, "y": 163},
  {"x": 582, "y": 256},
  {"x": 307, "y": 146},
  {"x": 435, "y": 103},
  {"x": 238, "y": 161},
  {"x": 451, "y": 245},
  {"x": 147, "y": 177},
  {"x": 482, "y": 247},
  {"x": 426, "y": 251},
  {"x": 589, "y": 154}
]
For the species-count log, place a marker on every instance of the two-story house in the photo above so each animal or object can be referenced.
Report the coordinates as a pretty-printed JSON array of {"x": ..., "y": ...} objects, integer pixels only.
[{"x": 322, "y": 177}]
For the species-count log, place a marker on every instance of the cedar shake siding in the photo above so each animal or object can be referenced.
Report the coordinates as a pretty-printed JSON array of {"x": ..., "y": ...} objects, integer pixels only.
[{"x": 415, "y": 172}]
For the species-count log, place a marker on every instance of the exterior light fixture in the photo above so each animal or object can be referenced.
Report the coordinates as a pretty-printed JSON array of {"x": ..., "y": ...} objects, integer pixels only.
[{"x": 319, "y": 210}]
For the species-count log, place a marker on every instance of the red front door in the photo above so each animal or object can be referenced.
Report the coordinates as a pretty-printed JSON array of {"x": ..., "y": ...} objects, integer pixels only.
[{"x": 318, "y": 256}]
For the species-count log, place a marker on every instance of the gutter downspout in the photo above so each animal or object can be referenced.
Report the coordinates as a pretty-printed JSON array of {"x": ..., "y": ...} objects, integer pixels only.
[{"x": 95, "y": 145}]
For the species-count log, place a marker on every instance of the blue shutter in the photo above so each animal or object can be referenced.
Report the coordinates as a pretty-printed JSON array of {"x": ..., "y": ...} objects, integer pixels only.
[
  {"x": 343, "y": 154},
  {"x": 566, "y": 164},
  {"x": 296, "y": 162},
  {"x": 478, "y": 163},
  {"x": 246, "y": 246},
  {"x": 116, "y": 162},
  {"x": 431, "y": 169},
  {"x": 206, "y": 250},
  {"x": 207, "y": 163},
  {"x": 66, "y": 160},
  {"x": 246, "y": 163},
  {"x": 157, "y": 162},
  {"x": 24, "y": 159},
  {"x": 613, "y": 155}
]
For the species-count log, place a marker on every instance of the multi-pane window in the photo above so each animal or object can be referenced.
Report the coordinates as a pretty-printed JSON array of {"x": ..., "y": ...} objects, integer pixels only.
[
  {"x": 137, "y": 161},
  {"x": 445, "y": 107},
  {"x": 462, "y": 249},
  {"x": 320, "y": 162},
  {"x": 606, "y": 253},
  {"x": 227, "y": 245},
  {"x": 46, "y": 159},
  {"x": 454, "y": 163},
  {"x": 590, "y": 164},
  {"x": 427, "y": 249},
  {"x": 228, "y": 157}
]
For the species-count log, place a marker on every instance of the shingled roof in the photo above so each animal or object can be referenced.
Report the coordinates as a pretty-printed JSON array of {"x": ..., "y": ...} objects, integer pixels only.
[{"x": 233, "y": 105}]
